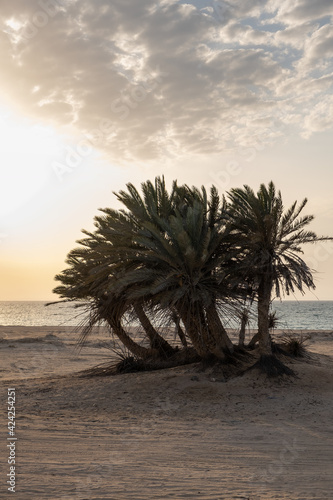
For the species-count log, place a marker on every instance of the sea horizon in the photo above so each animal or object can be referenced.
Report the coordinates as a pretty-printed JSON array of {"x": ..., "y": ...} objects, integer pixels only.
[{"x": 291, "y": 314}]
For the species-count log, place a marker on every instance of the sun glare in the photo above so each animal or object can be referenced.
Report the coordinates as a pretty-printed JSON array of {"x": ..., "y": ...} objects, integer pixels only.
[
  {"x": 26, "y": 152},
  {"x": 14, "y": 24}
]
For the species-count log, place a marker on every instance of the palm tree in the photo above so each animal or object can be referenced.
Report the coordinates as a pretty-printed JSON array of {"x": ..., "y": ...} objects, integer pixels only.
[
  {"x": 171, "y": 248},
  {"x": 268, "y": 242},
  {"x": 84, "y": 281},
  {"x": 161, "y": 253}
]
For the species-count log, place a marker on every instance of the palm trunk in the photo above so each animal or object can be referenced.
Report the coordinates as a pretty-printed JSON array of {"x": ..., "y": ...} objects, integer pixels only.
[
  {"x": 264, "y": 300},
  {"x": 112, "y": 315},
  {"x": 135, "y": 348},
  {"x": 241, "y": 338},
  {"x": 267, "y": 362},
  {"x": 218, "y": 331},
  {"x": 254, "y": 340},
  {"x": 206, "y": 332},
  {"x": 193, "y": 330},
  {"x": 209, "y": 336},
  {"x": 181, "y": 334},
  {"x": 156, "y": 341},
  {"x": 176, "y": 319}
]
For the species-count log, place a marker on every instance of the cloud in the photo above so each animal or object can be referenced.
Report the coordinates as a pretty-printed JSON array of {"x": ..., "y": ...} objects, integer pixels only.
[
  {"x": 300, "y": 11},
  {"x": 319, "y": 49},
  {"x": 320, "y": 117},
  {"x": 148, "y": 80}
]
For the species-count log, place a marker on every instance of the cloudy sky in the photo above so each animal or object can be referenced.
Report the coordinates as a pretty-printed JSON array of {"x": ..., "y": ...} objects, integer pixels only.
[{"x": 97, "y": 93}]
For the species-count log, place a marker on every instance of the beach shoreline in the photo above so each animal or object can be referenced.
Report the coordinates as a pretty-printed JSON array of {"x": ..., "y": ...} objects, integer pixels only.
[{"x": 37, "y": 351}]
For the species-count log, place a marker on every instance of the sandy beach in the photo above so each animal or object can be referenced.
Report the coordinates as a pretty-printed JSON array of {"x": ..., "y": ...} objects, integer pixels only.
[{"x": 181, "y": 433}]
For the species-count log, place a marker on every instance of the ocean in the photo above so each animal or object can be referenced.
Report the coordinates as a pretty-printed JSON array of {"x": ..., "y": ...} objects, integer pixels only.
[
  {"x": 298, "y": 315},
  {"x": 36, "y": 313}
]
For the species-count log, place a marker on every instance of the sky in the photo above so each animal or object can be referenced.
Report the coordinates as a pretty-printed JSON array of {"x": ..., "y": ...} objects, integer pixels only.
[{"x": 95, "y": 94}]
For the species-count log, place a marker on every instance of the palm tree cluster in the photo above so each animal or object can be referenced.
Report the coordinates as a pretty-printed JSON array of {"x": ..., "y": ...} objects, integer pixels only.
[{"x": 192, "y": 259}]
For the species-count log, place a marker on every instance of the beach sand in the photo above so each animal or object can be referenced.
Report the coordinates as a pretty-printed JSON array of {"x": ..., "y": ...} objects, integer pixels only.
[{"x": 176, "y": 434}]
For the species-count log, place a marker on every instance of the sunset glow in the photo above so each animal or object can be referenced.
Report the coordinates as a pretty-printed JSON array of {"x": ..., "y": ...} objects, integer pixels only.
[{"x": 97, "y": 94}]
